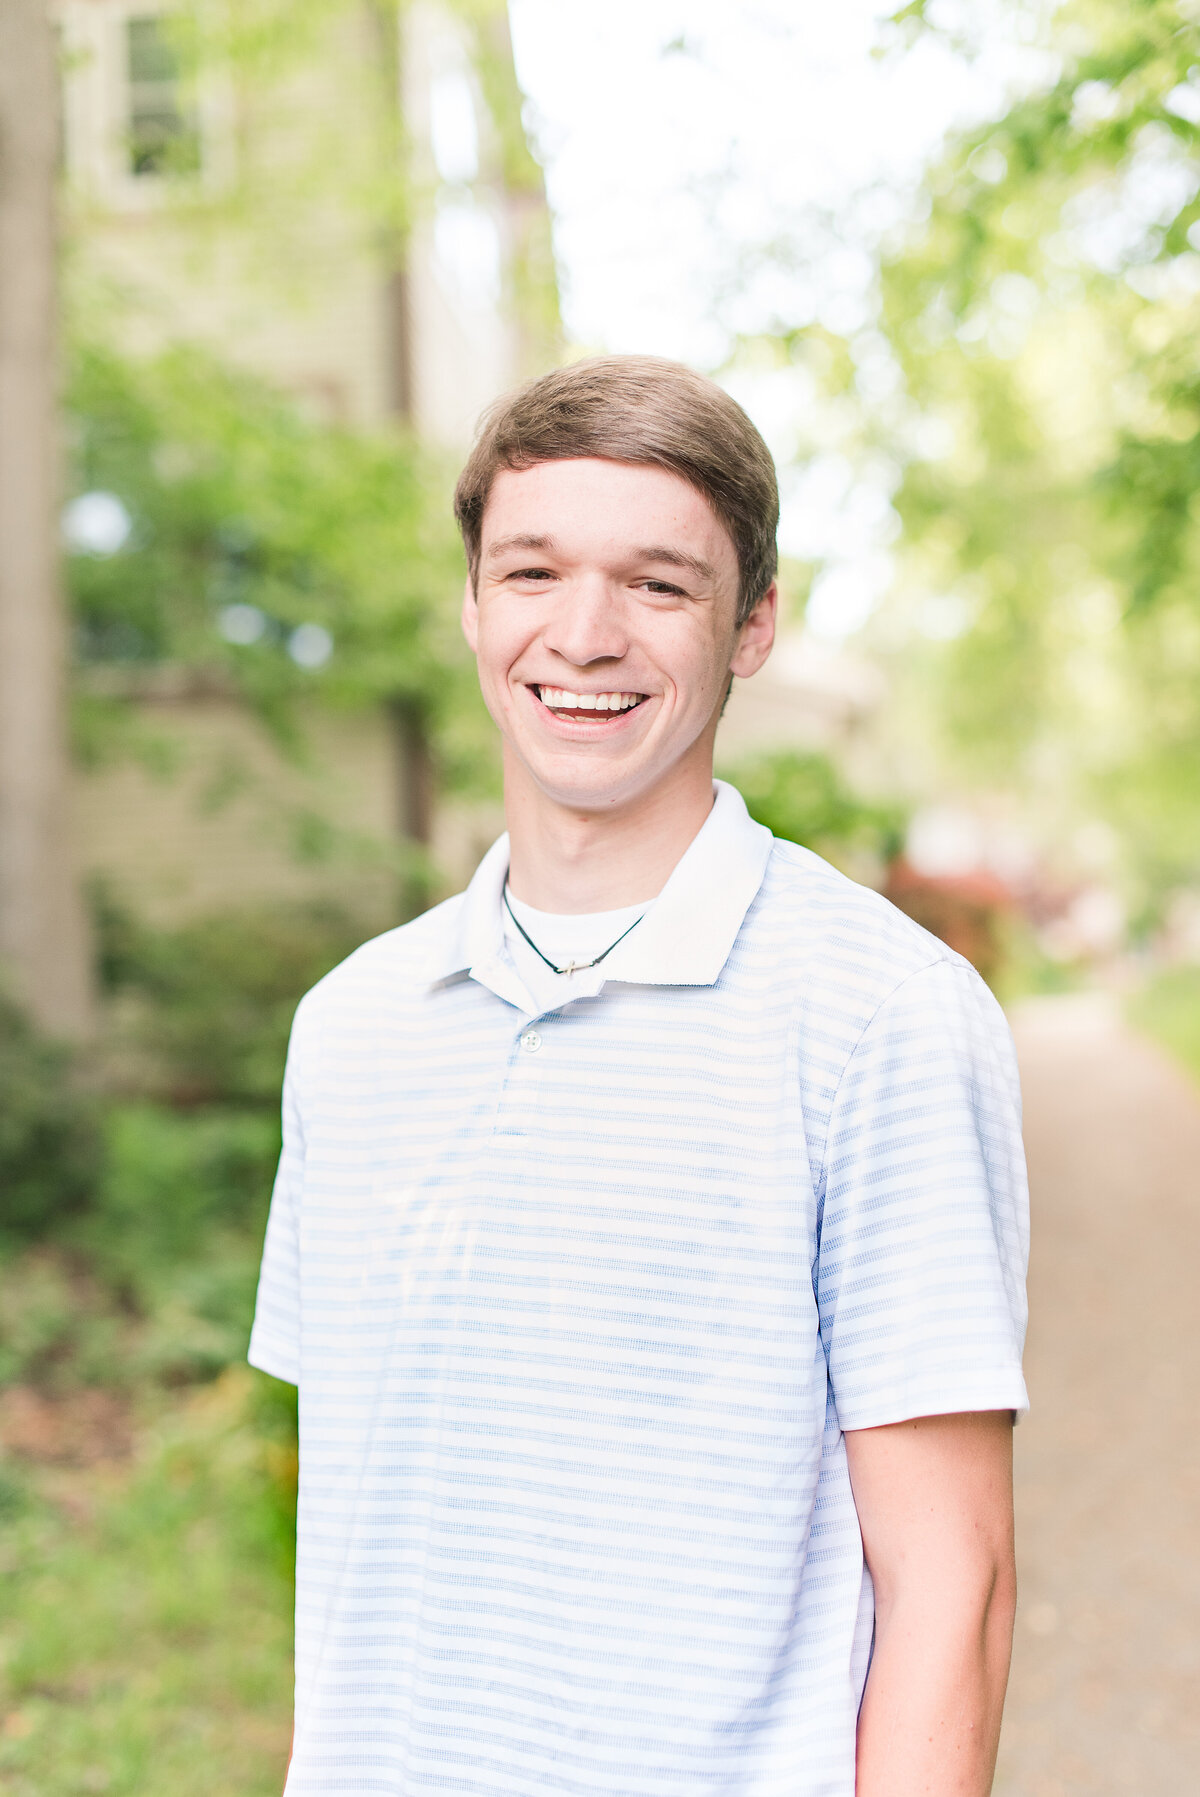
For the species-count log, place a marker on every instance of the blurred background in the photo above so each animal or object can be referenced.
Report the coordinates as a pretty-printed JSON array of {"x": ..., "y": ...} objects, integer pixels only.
[{"x": 261, "y": 265}]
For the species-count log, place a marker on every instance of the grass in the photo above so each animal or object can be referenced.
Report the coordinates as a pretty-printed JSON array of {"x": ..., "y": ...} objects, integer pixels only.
[
  {"x": 145, "y": 1607},
  {"x": 1168, "y": 1009}
]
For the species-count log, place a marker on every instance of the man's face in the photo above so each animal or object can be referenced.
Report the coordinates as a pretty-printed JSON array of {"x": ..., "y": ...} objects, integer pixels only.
[{"x": 604, "y": 627}]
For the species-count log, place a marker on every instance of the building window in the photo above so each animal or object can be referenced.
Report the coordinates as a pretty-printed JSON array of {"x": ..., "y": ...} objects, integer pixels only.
[{"x": 162, "y": 133}]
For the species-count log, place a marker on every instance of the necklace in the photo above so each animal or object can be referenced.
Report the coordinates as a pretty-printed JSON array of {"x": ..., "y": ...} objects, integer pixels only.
[{"x": 571, "y": 966}]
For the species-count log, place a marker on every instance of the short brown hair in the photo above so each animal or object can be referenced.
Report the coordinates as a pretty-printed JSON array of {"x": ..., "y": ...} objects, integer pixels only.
[{"x": 638, "y": 409}]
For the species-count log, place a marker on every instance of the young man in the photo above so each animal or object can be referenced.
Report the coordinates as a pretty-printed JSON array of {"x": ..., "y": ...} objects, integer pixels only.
[{"x": 648, "y": 1244}]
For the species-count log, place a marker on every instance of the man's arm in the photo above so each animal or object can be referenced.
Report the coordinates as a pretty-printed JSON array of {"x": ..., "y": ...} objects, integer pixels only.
[{"x": 934, "y": 1500}]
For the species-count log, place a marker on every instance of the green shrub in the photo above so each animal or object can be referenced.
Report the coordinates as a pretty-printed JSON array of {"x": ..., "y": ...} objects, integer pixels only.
[
  {"x": 50, "y": 1148},
  {"x": 175, "y": 1231},
  {"x": 154, "y": 1282},
  {"x": 803, "y": 798},
  {"x": 170, "y": 1176},
  {"x": 205, "y": 1008},
  {"x": 58, "y": 1327}
]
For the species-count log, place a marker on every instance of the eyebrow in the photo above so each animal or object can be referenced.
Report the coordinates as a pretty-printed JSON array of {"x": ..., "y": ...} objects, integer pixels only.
[
  {"x": 676, "y": 558},
  {"x": 654, "y": 552},
  {"x": 524, "y": 541}
]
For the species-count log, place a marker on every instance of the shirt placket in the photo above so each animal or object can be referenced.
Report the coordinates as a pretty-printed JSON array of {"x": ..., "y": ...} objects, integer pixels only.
[
  {"x": 521, "y": 1087},
  {"x": 534, "y": 1038}
]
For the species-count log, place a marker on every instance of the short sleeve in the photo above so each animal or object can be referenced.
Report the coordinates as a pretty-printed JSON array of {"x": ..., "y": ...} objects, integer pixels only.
[
  {"x": 924, "y": 1228},
  {"x": 275, "y": 1337}
]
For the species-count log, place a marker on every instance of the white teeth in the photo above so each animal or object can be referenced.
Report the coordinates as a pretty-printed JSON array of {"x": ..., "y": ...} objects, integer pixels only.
[{"x": 558, "y": 699}]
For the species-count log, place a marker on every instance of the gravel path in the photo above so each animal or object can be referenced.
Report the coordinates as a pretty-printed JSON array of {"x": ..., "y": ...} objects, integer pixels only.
[{"x": 1105, "y": 1693}]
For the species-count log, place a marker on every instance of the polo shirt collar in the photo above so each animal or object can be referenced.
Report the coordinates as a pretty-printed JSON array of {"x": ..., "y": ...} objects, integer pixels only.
[{"x": 688, "y": 931}]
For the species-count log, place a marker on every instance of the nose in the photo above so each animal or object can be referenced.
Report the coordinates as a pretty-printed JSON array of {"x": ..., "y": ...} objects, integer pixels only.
[{"x": 588, "y": 623}]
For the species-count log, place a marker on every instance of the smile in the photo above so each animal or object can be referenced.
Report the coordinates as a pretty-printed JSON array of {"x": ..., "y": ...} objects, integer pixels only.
[{"x": 584, "y": 706}]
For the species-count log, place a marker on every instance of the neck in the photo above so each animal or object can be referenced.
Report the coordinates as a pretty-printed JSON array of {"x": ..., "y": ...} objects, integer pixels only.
[{"x": 568, "y": 860}]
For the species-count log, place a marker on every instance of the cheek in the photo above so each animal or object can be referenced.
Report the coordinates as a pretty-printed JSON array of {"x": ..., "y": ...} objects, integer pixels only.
[
  {"x": 698, "y": 665},
  {"x": 498, "y": 645}
]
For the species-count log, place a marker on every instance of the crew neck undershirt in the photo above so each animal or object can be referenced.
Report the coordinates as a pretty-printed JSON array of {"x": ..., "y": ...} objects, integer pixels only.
[{"x": 563, "y": 937}]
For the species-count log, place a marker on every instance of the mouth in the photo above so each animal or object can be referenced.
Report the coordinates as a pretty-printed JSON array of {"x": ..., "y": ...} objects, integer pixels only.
[{"x": 587, "y": 708}]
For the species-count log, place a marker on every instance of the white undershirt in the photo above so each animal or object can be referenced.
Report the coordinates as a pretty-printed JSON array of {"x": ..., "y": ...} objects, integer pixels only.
[{"x": 562, "y": 938}]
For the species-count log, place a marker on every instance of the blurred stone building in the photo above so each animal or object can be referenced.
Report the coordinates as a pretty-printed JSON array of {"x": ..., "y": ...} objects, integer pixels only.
[{"x": 381, "y": 261}]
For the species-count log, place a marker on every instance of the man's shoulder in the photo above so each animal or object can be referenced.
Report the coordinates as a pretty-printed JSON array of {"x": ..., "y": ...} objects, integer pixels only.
[
  {"x": 388, "y": 968},
  {"x": 832, "y": 931},
  {"x": 859, "y": 970}
]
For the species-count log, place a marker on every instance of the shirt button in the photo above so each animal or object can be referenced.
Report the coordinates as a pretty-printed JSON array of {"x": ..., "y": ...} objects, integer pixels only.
[{"x": 531, "y": 1041}]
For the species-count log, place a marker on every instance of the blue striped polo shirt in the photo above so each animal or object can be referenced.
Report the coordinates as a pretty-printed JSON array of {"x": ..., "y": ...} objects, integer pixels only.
[{"x": 580, "y": 1302}]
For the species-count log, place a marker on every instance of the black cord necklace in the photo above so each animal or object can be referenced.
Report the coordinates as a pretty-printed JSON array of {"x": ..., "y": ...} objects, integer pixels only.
[{"x": 571, "y": 966}]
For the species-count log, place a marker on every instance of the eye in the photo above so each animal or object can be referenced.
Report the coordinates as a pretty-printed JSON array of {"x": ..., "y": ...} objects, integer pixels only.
[
  {"x": 664, "y": 586},
  {"x": 531, "y": 574}
]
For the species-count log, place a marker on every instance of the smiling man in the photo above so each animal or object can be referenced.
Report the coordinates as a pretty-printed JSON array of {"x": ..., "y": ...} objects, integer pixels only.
[{"x": 649, "y": 1238}]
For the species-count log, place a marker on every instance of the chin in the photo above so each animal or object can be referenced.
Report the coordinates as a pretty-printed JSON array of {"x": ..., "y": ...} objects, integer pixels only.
[
  {"x": 591, "y": 795},
  {"x": 590, "y": 788}
]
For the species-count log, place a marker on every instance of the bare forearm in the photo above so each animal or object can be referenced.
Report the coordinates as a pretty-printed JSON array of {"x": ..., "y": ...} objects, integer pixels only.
[{"x": 930, "y": 1719}]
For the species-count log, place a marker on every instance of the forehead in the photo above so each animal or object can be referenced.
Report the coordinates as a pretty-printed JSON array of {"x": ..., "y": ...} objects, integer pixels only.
[{"x": 588, "y": 505}]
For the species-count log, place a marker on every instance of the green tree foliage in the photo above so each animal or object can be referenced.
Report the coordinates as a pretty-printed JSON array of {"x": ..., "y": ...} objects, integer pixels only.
[
  {"x": 237, "y": 499},
  {"x": 1044, "y": 315}
]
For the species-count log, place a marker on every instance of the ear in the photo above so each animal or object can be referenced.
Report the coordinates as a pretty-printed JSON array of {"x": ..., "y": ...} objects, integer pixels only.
[
  {"x": 470, "y": 616},
  {"x": 756, "y": 635}
]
